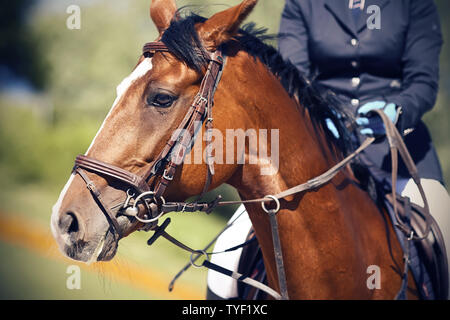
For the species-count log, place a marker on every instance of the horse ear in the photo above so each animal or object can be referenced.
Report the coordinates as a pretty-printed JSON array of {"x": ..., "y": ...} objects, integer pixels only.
[
  {"x": 162, "y": 12},
  {"x": 222, "y": 26}
]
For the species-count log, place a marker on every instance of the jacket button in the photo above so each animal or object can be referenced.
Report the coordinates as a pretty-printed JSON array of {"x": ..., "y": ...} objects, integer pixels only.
[
  {"x": 355, "y": 64},
  {"x": 354, "y": 42},
  {"x": 355, "y": 82},
  {"x": 355, "y": 102},
  {"x": 395, "y": 84}
]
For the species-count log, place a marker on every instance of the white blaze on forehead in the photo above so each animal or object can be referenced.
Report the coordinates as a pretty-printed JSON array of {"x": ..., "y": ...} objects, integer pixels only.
[
  {"x": 139, "y": 71},
  {"x": 145, "y": 66}
]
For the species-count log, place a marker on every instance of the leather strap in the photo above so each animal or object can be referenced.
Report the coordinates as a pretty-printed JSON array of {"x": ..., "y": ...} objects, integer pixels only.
[
  {"x": 326, "y": 176},
  {"x": 239, "y": 277},
  {"x": 309, "y": 185},
  {"x": 202, "y": 106},
  {"x": 98, "y": 196},
  {"x": 278, "y": 253},
  {"x": 397, "y": 146},
  {"x": 100, "y": 167},
  {"x": 176, "y": 148}
]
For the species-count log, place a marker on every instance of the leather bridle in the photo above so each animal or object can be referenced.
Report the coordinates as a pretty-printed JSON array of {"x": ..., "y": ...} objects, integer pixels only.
[{"x": 164, "y": 167}]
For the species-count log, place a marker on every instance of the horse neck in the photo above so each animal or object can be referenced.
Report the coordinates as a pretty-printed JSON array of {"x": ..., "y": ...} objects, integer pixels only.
[{"x": 303, "y": 154}]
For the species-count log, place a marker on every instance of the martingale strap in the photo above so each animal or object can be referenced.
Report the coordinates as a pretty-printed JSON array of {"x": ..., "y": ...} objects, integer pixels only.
[{"x": 196, "y": 254}]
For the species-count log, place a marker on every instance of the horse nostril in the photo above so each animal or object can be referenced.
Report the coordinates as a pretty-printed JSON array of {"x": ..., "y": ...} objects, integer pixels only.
[
  {"x": 68, "y": 223},
  {"x": 73, "y": 225}
]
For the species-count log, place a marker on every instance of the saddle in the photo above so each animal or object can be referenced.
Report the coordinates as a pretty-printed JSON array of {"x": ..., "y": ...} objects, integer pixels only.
[
  {"x": 428, "y": 257},
  {"x": 417, "y": 231}
]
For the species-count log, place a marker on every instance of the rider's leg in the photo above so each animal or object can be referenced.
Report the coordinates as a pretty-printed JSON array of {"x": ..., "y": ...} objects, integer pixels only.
[
  {"x": 219, "y": 285},
  {"x": 438, "y": 201}
]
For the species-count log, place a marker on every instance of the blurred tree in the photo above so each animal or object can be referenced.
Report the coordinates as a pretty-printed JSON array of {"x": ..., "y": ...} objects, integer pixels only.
[{"x": 20, "y": 52}]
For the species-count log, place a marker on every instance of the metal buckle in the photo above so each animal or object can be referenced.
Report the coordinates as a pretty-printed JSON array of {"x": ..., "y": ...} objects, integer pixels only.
[
  {"x": 130, "y": 195},
  {"x": 202, "y": 99},
  {"x": 90, "y": 185},
  {"x": 167, "y": 177}
]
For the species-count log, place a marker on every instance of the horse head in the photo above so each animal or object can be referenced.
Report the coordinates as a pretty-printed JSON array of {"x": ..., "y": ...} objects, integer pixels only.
[{"x": 89, "y": 217}]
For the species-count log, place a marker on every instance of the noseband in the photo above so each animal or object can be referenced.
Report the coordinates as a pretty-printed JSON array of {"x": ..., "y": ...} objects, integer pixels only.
[{"x": 164, "y": 167}]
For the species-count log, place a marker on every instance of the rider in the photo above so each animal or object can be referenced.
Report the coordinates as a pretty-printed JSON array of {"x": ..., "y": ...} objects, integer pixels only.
[{"x": 379, "y": 56}]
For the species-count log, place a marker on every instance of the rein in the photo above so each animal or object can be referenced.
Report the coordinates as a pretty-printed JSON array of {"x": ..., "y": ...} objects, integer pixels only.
[{"x": 162, "y": 172}]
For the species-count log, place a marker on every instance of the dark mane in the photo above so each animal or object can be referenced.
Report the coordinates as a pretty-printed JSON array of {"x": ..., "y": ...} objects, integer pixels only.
[{"x": 182, "y": 40}]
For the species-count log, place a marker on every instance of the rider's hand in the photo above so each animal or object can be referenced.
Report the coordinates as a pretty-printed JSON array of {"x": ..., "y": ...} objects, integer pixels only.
[{"x": 370, "y": 123}]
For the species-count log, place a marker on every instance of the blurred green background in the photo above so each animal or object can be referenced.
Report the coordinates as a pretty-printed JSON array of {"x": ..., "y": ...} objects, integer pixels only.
[{"x": 56, "y": 86}]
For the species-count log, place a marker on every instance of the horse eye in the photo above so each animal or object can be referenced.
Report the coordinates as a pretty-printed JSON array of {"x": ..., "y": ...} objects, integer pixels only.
[{"x": 161, "y": 100}]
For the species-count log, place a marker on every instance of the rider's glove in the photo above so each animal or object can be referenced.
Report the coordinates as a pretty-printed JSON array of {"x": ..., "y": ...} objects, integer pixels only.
[
  {"x": 370, "y": 123},
  {"x": 331, "y": 126}
]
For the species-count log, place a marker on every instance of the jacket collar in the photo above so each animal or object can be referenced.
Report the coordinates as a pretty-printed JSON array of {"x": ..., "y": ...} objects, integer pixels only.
[{"x": 341, "y": 11}]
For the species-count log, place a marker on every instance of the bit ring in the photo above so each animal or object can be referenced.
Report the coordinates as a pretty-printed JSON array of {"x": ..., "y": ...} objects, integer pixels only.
[{"x": 277, "y": 202}]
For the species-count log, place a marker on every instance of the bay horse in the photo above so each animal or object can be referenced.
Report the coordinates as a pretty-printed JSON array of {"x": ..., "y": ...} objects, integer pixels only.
[{"x": 329, "y": 236}]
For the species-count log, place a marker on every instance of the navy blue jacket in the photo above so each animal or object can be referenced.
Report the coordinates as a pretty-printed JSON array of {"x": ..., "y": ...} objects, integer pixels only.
[{"x": 397, "y": 62}]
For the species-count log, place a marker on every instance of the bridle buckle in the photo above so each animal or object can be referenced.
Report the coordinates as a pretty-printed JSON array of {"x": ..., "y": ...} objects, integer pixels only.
[
  {"x": 90, "y": 185},
  {"x": 166, "y": 176}
]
